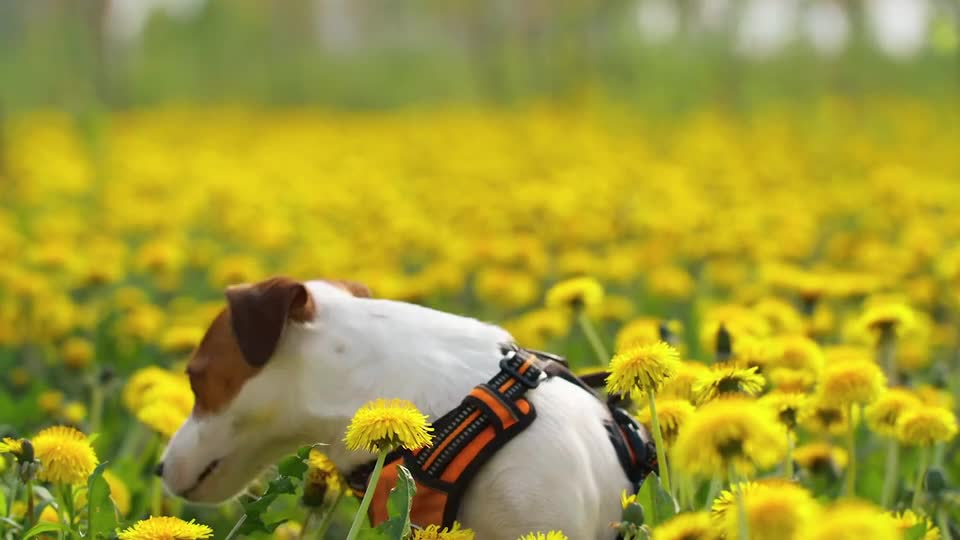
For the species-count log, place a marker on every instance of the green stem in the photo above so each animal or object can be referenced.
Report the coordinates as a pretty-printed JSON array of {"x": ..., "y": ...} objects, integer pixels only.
[
  {"x": 306, "y": 524},
  {"x": 30, "y": 505},
  {"x": 66, "y": 494},
  {"x": 367, "y": 497},
  {"x": 788, "y": 464},
  {"x": 328, "y": 517},
  {"x": 850, "y": 486},
  {"x": 921, "y": 473},
  {"x": 156, "y": 497},
  {"x": 887, "y": 354},
  {"x": 652, "y": 490},
  {"x": 658, "y": 440},
  {"x": 595, "y": 342},
  {"x": 892, "y": 473},
  {"x": 943, "y": 522},
  {"x": 743, "y": 528},
  {"x": 712, "y": 493},
  {"x": 236, "y": 528},
  {"x": 96, "y": 406}
]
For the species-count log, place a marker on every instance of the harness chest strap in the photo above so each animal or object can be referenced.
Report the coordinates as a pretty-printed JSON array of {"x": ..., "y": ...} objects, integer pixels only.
[{"x": 468, "y": 436}]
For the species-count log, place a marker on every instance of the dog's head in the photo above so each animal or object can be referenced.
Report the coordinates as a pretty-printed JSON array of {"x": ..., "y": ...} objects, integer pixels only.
[{"x": 242, "y": 421}]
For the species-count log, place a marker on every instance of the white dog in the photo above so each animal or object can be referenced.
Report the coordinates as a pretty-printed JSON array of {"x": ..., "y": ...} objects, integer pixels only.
[{"x": 287, "y": 364}]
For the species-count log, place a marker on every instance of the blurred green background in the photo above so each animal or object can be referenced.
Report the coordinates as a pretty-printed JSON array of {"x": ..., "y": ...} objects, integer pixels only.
[{"x": 665, "y": 55}]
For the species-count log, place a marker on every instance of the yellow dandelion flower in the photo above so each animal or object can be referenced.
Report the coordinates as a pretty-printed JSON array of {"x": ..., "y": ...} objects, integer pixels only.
[
  {"x": 780, "y": 511},
  {"x": 925, "y": 425},
  {"x": 166, "y": 528},
  {"x": 844, "y": 353},
  {"x": 727, "y": 500},
  {"x": 576, "y": 293},
  {"x": 76, "y": 353},
  {"x": 11, "y": 446},
  {"x": 119, "y": 492},
  {"x": 931, "y": 395},
  {"x": 552, "y": 535},
  {"x": 322, "y": 479},
  {"x": 688, "y": 526},
  {"x": 644, "y": 331},
  {"x": 755, "y": 353},
  {"x": 638, "y": 370},
  {"x": 791, "y": 380},
  {"x": 74, "y": 413},
  {"x": 786, "y": 405},
  {"x": 798, "y": 353},
  {"x": 818, "y": 457},
  {"x": 289, "y": 530},
  {"x": 181, "y": 339},
  {"x": 670, "y": 282},
  {"x": 382, "y": 425},
  {"x": 672, "y": 414},
  {"x": 50, "y": 401},
  {"x": 141, "y": 381},
  {"x": 850, "y": 383},
  {"x": 882, "y": 415},
  {"x": 888, "y": 316},
  {"x": 727, "y": 381},
  {"x": 65, "y": 455},
  {"x": 818, "y": 417},
  {"x": 680, "y": 386},
  {"x": 907, "y": 520},
  {"x": 627, "y": 500},
  {"x": 734, "y": 432},
  {"x": 434, "y": 532},
  {"x": 162, "y": 418},
  {"x": 853, "y": 520}
]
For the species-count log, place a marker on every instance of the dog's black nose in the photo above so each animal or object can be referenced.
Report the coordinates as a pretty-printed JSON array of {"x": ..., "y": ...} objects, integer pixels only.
[{"x": 158, "y": 470}]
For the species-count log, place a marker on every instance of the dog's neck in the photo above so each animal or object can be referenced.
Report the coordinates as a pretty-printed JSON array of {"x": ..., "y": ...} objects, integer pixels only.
[{"x": 359, "y": 349}]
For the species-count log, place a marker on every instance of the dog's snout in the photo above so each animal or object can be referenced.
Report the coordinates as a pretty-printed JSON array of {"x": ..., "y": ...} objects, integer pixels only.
[{"x": 158, "y": 470}]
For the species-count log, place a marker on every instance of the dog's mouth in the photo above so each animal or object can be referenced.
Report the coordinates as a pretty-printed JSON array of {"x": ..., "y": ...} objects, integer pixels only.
[{"x": 204, "y": 474}]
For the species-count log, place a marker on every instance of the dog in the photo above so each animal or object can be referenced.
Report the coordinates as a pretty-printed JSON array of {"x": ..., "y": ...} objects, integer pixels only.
[{"x": 288, "y": 363}]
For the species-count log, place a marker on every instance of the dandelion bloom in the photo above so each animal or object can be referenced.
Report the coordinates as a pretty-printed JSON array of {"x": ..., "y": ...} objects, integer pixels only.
[
  {"x": 434, "y": 532},
  {"x": 819, "y": 457},
  {"x": 11, "y": 446},
  {"x": 65, "y": 455},
  {"x": 819, "y": 417},
  {"x": 289, "y": 530},
  {"x": 888, "y": 316},
  {"x": 798, "y": 353},
  {"x": 907, "y": 520},
  {"x": 166, "y": 528},
  {"x": 322, "y": 479},
  {"x": 680, "y": 386},
  {"x": 882, "y": 415},
  {"x": 643, "y": 331},
  {"x": 641, "y": 369},
  {"x": 727, "y": 381},
  {"x": 77, "y": 353},
  {"x": 672, "y": 414},
  {"x": 552, "y": 535},
  {"x": 688, "y": 526},
  {"x": 576, "y": 293},
  {"x": 786, "y": 405},
  {"x": 774, "y": 511},
  {"x": 727, "y": 500},
  {"x": 382, "y": 425},
  {"x": 853, "y": 520},
  {"x": 926, "y": 425},
  {"x": 856, "y": 382},
  {"x": 734, "y": 432}
]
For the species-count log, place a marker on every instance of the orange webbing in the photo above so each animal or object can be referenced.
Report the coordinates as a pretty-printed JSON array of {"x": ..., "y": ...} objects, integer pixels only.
[
  {"x": 511, "y": 381},
  {"x": 504, "y": 414},
  {"x": 451, "y": 437},
  {"x": 470, "y": 452},
  {"x": 428, "y": 503}
]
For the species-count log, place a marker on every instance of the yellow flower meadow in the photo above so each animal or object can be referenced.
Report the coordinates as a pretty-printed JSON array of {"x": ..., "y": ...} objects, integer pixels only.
[
  {"x": 687, "y": 526},
  {"x": 382, "y": 425},
  {"x": 856, "y": 382},
  {"x": 853, "y": 520},
  {"x": 576, "y": 293}
]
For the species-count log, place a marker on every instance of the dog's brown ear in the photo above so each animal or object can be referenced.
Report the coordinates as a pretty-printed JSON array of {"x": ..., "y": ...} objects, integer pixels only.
[
  {"x": 259, "y": 313},
  {"x": 354, "y": 287}
]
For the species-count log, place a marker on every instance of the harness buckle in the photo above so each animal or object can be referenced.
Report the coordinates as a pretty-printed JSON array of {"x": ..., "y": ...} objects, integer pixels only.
[{"x": 511, "y": 364}]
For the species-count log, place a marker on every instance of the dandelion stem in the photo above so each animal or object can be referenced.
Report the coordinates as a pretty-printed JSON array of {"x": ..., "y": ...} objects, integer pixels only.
[
  {"x": 712, "y": 493},
  {"x": 891, "y": 473},
  {"x": 658, "y": 440},
  {"x": 30, "y": 508},
  {"x": 156, "y": 498},
  {"x": 595, "y": 342},
  {"x": 96, "y": 405},
  {"x": 236, "y": 527},
  {"x": 887, "y": 354},
  {"x": 850, "y": 486},
  {"x": 367, "y": 497},
  {"x": 328, "y": 517},
  {"x": 921, "y": 473},
  {"x": 788, "y": 464},
  {"x": 306, "y": 524},
  {"x": 743, "y": 528}
]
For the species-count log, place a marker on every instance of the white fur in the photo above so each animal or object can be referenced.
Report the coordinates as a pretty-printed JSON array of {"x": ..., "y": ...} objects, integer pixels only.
[{"x": 560, "y": 473}]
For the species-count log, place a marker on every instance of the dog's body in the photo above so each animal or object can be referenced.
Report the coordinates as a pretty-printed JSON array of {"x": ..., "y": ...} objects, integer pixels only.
[{"x": 334, "y": 352}]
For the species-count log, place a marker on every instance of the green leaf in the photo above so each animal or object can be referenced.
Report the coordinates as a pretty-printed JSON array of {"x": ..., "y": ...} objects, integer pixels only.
[
  {"x": 101, "y": 513},
  {"x": 658, "y": 505},
  {"x": 916, "y": 532},
  {"x": 397, "y": 526},
  {"x": 293, "y": 466},
  {"x": 42, "y": 528},
  {"x": 3, "y": 502}
]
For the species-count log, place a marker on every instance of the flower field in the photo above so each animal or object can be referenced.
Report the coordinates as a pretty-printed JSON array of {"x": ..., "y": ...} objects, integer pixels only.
[{"x": 778, "y": 292}]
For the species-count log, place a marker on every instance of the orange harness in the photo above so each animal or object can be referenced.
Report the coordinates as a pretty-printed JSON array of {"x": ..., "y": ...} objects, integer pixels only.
[{"x": 465, "y": 438}]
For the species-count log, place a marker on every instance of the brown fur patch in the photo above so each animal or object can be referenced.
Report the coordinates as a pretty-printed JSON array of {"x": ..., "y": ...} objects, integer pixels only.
[
  {"x": 218, "y": 369},
  {"x": 353, "y": 287},
  {"x": 243, "y": 337}
]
